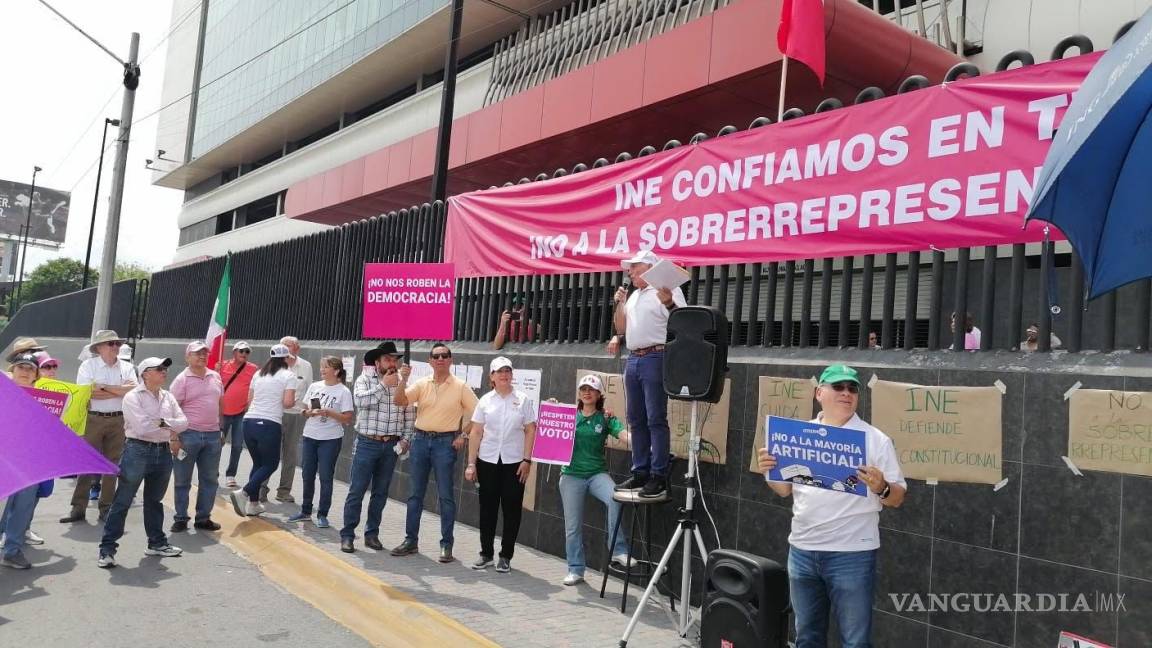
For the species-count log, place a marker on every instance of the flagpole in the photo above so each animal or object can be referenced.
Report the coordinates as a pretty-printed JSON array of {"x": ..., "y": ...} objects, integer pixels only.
[{"x": 783, "y": 81}]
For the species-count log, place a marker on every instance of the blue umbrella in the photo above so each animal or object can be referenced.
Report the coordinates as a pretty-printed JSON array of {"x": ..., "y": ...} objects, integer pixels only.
[{"x": 1096, "y": 183}]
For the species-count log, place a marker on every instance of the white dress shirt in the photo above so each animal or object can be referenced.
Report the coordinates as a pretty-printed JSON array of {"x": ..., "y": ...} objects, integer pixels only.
[
  {"x": 503, "y": 418},
  {"x": 143, "y": 411},
  {"x": 95, "y": 370},
  {"x": 303, "y": 370},
  {"x": 647, "y": 318}
]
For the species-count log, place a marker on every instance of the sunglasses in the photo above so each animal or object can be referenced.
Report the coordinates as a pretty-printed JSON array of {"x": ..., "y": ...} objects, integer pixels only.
[
  {"x": 50, "y": 366},
  {"x": 114, "y": 344},
  {"x": 851, "y": 387},
  {"x": 244, "y": 351},
  {"x": 440, "y": 356},
  {"x": 160, "y": 369}
]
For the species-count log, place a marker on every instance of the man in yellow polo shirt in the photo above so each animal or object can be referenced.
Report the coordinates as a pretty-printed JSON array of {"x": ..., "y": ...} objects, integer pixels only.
[{"x": 442, "y": 402}]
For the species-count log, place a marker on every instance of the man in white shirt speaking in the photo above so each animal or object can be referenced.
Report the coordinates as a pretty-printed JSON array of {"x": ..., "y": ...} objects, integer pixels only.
[
  {"x": 643, "y": 319},
  {"x": 835, "y": 536}
]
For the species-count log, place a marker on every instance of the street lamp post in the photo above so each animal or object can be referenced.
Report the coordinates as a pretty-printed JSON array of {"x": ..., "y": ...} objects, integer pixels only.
[
  {"x": 95, "y": 198},
  {"x": 24, "y": 243}
]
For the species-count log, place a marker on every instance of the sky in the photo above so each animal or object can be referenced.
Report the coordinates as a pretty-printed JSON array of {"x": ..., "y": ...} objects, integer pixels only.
[{"x": 60, "y": 88}]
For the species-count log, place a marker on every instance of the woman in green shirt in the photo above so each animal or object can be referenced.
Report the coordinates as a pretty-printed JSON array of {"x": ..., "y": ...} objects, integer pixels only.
[{"x": 587, "y": 474}]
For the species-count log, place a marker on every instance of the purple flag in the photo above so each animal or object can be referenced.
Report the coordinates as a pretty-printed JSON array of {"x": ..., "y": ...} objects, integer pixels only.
[{"x": 35, "y": 446}]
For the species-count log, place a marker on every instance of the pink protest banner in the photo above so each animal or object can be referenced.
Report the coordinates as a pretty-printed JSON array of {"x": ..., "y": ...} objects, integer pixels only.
[
  {"x": 555, "y": 433},
  {"x": 54, "y": 402},
  {"x": 947, "y": 166},
  {"x": 409, "y": 301}
]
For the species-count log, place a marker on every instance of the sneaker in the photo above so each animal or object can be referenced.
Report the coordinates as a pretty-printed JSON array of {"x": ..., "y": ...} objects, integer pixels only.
[
  {"x": 239, "y": 502},
  {"x": 573, "y": 579},
  {"x": 633, "y": 483},
  {"x": 446, "y": 555},
  {"x": 322, "y": 522},
  {"x": 106, "y": 561},
  {"x": 655, "y": 488},
  {"x": 254, "y": 508},
  {"x": 32, "y": 538},
  {"x": 406, "y": 549},
  {"x": 502, "y": 566},
  {"x": 482, "y": 563},
  {"x": 624, "y": 560},
  {"x": 230, "y": 482},
  {"x": 178, "y": 526},
  {"x": 300, "y": 517},
  {"x": 15, "y": 560},
  {"x": 166, "y": 551},
  {"x": 286, "y": 498},
  {"x": 94, "y": 493},
  {"x": 206, "y": 524}
]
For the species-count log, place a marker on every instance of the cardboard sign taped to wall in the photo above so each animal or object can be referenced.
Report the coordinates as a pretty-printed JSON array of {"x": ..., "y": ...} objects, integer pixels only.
[
  {"x": 1111, "y": 431},
  {"x": 785, "y": 397},
  {"x": 713, "y": 419},
  {"x": 942, "y": 432}
]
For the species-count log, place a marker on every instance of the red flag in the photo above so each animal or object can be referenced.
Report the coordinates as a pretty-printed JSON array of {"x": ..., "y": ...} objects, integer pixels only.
[{"x": 801, "y": 33}]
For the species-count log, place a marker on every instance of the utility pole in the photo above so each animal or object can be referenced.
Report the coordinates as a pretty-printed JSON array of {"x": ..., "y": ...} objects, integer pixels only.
[
  {"x": 116, "y": 194},
  {"x": 24, "y": 246},
  {"x": 447, "y": 105}
]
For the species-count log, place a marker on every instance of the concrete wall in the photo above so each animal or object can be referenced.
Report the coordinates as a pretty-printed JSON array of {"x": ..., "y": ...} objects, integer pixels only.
[{"x": 1046, "y": 531}]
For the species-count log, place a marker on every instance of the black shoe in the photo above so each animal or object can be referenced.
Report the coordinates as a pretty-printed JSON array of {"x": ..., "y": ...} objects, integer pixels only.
[
  {"x": 655, "y": 488},
  {"x": 446, "y": 555},
  {"x": 347, "y": 547},
  {"x": 373, "y": 542},
  {"x": 633, "y": 483},
  {"x": 178, "y": 526},
  {"x": 206, "y": 525},
  {"x": 72, "y": 517},
  {"x": 406, "y": 549}
]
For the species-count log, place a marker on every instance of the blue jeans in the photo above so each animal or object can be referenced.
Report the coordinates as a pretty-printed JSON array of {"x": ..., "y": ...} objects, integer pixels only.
[
  {"x": 318, "y": 456},
  {"x": 232, "y": 428},
  {"x": 836, "y": 581},
  {"x": 647, "y": 414},
  {"x": 17, "y": 518},
  {"x": 431, "y": 452},
  {"x": 202, "y": 453},
  {"x": 572, "y": 493},
  {"x": 150, "y": 464},
  {"x": 373, "y": 462},
  {"x": 262, "y": 437}
]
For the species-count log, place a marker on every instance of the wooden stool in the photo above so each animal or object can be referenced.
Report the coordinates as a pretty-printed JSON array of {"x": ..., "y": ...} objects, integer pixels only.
[{"x": 642, "y": 509}]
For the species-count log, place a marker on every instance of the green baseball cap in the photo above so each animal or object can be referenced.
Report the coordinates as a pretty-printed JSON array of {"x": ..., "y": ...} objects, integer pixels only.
[{"x": 839, "y": 373}]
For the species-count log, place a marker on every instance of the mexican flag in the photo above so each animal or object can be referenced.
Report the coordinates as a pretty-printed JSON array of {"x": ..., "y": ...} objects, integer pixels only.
[{"x": 218, "y": 327}]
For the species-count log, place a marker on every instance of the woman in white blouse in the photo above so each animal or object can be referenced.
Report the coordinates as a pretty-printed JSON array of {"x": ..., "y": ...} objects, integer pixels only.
[
  {"x": 499, "y": 456},
  {"x": 272, "y": 391}
]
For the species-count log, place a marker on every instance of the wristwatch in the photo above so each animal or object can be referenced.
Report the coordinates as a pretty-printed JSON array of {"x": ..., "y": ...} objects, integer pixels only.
[
  {"x": 527, "y": 461},
  {"x": 886, "y": 492}
]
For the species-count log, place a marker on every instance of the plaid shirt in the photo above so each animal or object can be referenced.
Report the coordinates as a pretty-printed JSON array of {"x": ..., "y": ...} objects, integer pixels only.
[{"x": 375, "y": 413}]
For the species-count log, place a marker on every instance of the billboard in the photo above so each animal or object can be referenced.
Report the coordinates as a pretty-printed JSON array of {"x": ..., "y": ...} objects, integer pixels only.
[{"x": 49, "y": 213}]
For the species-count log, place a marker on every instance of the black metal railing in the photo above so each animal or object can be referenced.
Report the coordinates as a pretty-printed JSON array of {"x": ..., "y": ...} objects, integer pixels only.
[
  {"x": 70, "y": 315},
  {"x": 311, "y": 287}
]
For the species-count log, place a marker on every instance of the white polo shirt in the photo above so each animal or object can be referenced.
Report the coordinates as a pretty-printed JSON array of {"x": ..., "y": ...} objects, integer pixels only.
[
  {"x": 647, "y": 318},
  {"x": 303, "y": 370},
  {"x": 95, "y": 370},
  {"x": 825, "y": 520},
  {"x": 503, "y": 418}
]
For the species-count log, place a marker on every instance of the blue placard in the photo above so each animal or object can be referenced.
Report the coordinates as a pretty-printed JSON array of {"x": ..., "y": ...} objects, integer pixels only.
[{"x": 821, "y": 456}]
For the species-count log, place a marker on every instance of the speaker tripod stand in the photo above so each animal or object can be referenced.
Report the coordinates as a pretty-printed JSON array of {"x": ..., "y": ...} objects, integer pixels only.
[{"x": 687, "y": 530}]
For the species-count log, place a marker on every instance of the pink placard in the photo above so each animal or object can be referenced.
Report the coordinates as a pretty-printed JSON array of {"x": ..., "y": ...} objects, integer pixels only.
[
  {"x": 54, "y": 402},
  {"x": 948, "y": 166},
  {"x": 409, "y": 301},
  {"x": 555, "y": 433}
]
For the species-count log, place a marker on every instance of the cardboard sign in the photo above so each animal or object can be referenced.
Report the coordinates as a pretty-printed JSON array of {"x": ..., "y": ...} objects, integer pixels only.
[
  {"x": 409, "y": 301},
  {"x": 555, "y": 434},
  {"x": 1111, "y": 431},
  {"x": 785, "y": 397},
  {"x": 816, "y": 455},
  {"x": 943, "y": 433},
  {"x": 713, "y": 419}
]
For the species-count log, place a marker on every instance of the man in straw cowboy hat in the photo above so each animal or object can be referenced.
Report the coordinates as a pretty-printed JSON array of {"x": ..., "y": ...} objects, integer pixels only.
[{"x": 111, "y": 378}]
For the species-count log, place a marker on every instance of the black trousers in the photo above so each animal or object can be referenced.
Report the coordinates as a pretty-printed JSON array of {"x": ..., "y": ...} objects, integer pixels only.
[{"x": 500, "y": 489}]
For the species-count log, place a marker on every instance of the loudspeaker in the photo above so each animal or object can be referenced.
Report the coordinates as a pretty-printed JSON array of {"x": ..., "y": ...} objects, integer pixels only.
[
  {"x": 745, "y": 602},
  {"x": 696, "y": 356}
]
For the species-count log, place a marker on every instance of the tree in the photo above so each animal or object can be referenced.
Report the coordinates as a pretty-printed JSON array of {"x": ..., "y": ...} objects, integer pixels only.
[{"x": 131, "y": 270}]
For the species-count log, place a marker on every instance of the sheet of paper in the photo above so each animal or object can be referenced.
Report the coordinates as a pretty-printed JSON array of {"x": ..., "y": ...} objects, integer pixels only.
[
  {"x": 349, "y": 367},
  {"x": 666, "y": 274}
]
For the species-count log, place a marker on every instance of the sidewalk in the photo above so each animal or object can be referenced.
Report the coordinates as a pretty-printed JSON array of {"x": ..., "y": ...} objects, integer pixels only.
[{"x": 527, "y": 608}]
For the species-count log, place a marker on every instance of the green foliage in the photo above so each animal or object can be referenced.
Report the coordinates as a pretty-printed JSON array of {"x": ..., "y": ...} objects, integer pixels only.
[{"x": 64, "y": 275}]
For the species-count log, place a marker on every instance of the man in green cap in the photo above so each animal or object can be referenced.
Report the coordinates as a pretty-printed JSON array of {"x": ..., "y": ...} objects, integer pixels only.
[{"x": 835, "y": 536}]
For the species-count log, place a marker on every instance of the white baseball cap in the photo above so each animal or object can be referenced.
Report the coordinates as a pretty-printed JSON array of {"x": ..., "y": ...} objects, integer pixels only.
[
  {"x": 152, "y": 363},
  {"x": 593, "y": 381},
  {"x": 241, "y": 345},
  {"x": 280, "y": 351},
  {"x": 499, "y": 363},
  {"x": 195, "y": 347},
  {"x": 643, "y": 256}
]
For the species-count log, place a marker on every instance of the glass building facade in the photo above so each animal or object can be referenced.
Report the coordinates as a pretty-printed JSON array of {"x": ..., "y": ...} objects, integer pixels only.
[{"x": 259, "y": 55}]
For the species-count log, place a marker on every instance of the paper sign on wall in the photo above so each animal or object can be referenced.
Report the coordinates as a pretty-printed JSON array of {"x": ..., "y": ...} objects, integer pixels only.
[
  {"x": 940, "y": 432},
  {"x": 528, "y": 381},
  {"x": 1110, "y": 431},
  {"x": 713, "y": 418},
  {"x": 786, "y": 397}
]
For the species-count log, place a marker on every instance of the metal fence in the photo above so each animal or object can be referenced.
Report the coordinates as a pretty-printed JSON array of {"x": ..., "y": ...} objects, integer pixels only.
[
  {"x": 311, "y": 287},
  {"x": 70, "y": 315}
]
